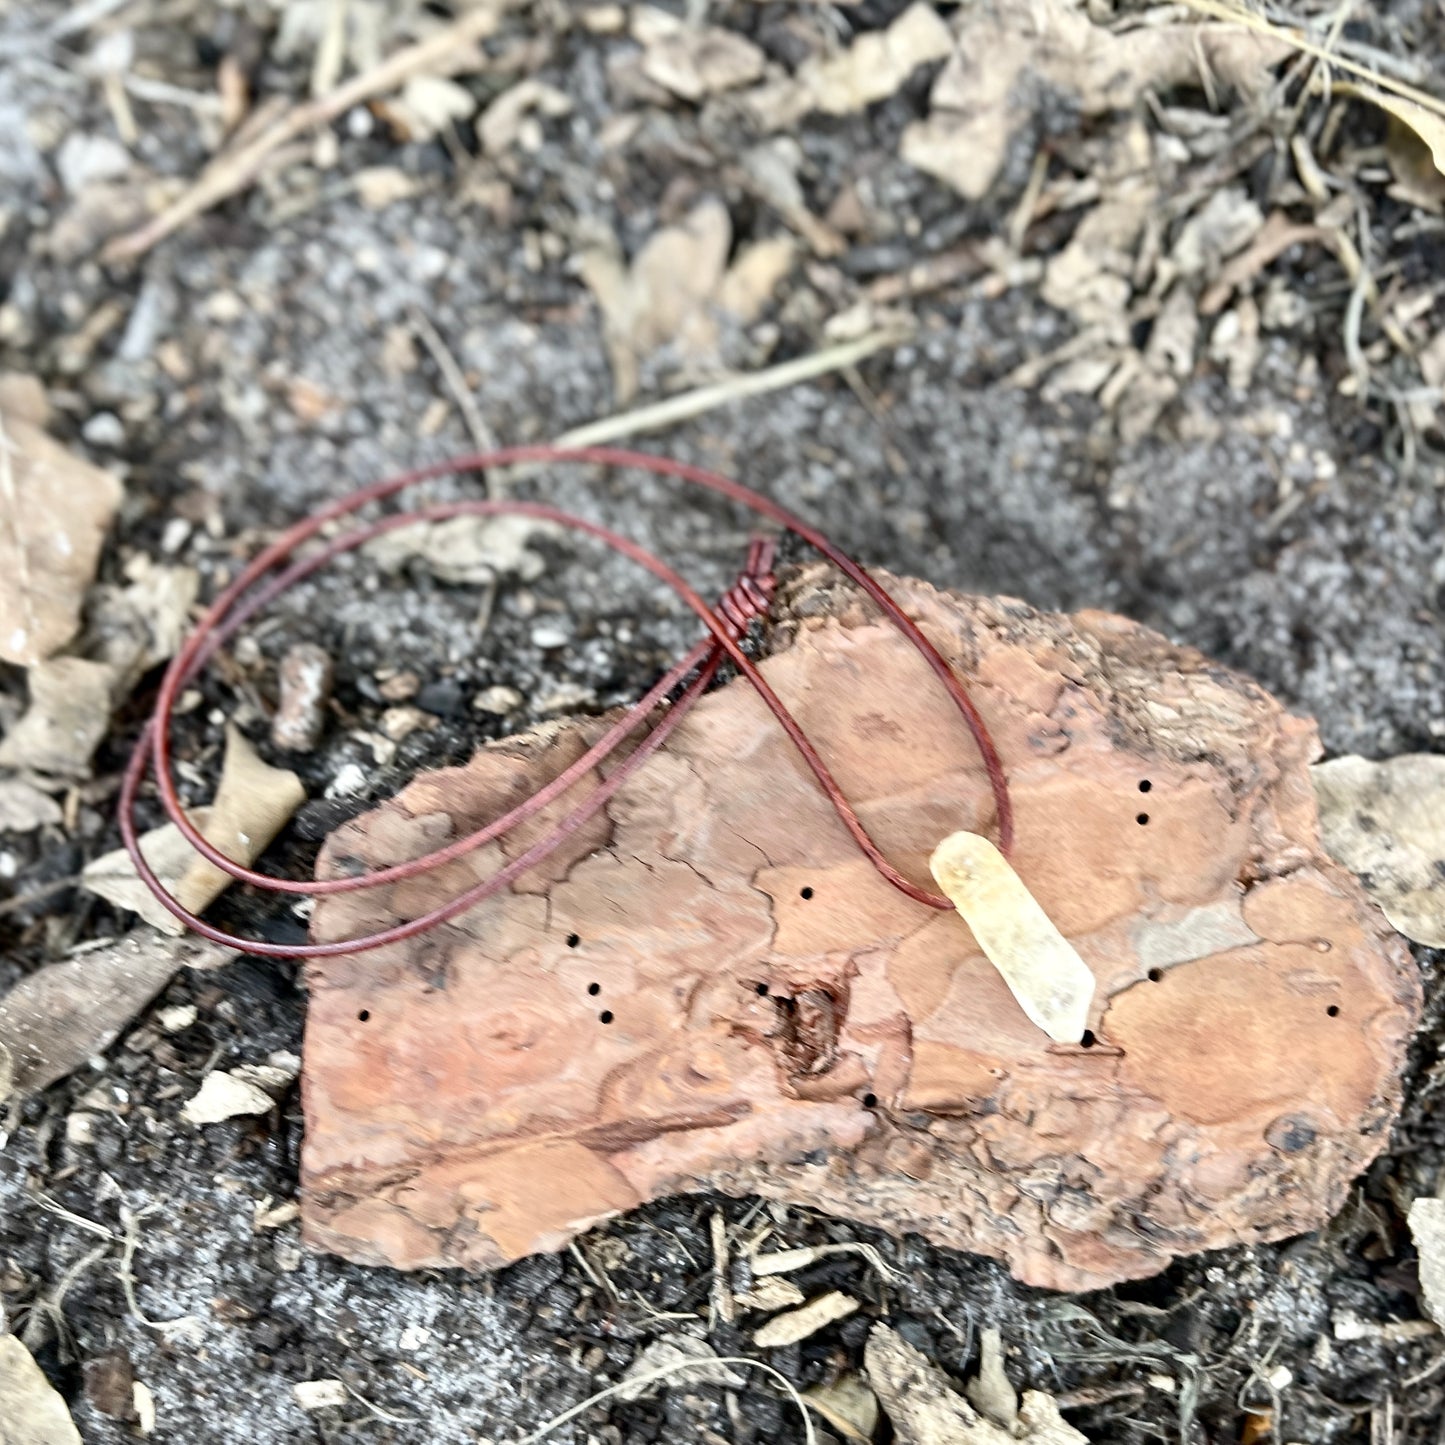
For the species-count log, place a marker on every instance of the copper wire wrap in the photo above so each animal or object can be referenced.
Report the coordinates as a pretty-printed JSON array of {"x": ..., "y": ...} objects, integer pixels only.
[{"x": 746, "y": 601}]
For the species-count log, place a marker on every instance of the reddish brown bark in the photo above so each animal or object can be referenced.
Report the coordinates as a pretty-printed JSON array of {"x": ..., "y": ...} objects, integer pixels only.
[{"x": 711, "y": 988}]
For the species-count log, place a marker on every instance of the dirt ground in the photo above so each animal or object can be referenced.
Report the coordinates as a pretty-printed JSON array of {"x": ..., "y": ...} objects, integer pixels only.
[{"x": 1281, "y": 510}]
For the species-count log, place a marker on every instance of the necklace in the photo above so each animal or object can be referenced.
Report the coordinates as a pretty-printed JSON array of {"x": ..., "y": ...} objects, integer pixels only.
[{"x": 746, "y": 600}]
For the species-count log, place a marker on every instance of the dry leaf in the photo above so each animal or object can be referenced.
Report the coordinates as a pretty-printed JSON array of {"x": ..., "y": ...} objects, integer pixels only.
[
  {"x": 1041, "y": 967},
  {"x": 1091, "y": 277},
  {"x": 1386, "y": 822},
  {"x": 135, "y": 628},
  {"x": 877, "y": 63},
  {"x": 253, "y": 802},
  {"x": 677, "y": 289},
  {"x": 23, "y": 807},
  {"x": 799, "y": 1324},
  {"x": 501, "y": 123},
  {"x": 672, "y": 1350},
  {"x": 56, "y": 509},
  {"x": 69, "y": 712},
  {"x": 427, "y": 105},
  {"x": 757, "y": 273},
  {"x": 465, "y": 551},
  {"x": 228, "y": 1094},
  {"x": 662, "y": 298},
  {"x": 31, "y": 1409},
  {"x": 989, "y": 1392},
  {"x": 1427, "y": 1227},
  {"x": 114, "y": 878},
  {"x": 925, "y": 1409},
  {"x": 848, "y": 1405},
  {"x": 1426, "y": 124},
  {"x": 694, "y": 63},
  {"x": 319, "y": 1394},
  {"x": 980, "y": 99},
  {"x": 1227, "y": 222},
  {"x": 54, "y": 1020}
]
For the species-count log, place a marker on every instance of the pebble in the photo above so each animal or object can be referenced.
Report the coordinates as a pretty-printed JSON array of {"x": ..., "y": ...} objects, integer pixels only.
[
  {"x": 349, "y": 779},
  {"x": 84, "y": 160},
  {"x": 400, "y": 722},
  {"x": 399, "y": 686},
  {"x": 104, "y": 429},
  {"x": 551, "y": 634},
  {"x": 305, "y": 681},
  {"x": 498, "y": 701}
]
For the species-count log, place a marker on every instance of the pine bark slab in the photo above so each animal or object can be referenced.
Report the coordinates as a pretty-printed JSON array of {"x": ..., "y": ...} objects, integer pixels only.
[{"x": 710, "y": 988}]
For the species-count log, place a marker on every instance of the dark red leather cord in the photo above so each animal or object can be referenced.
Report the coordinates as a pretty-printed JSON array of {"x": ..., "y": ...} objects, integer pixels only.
[{"x": 747, "y": 599}]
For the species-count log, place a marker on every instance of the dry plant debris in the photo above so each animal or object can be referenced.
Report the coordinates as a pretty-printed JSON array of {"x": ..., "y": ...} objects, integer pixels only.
[
  {"x": 979, "y": 101},
  {"x": 1386, "y": 822},
  {"x": 69, "y": 713},
  {"x": 56, "y": 510},
  {"x": 848, "y": 1405},
  {"x": 926, "y": 1409},
  {"x": 799, "y": 1324},
  {"x": 247, "y": 1089},
  {"x": 33, "y": 1412},
  {"x": 1427, "y": 1227},
  {"x": 23, "y": 807},
  {"x": 697, "y": 62},
  {"x": 669, "y": 1352},
  {"x": 678, "y": 291},
  {"x": 253, "y": 802},
  {"x": 707, "y": 986},
  {"x": 466, "y": 551},
  {"x": 64, "y": 1014}
]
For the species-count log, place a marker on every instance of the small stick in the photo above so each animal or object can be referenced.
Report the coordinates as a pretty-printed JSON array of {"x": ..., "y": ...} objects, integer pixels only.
[
  {"x": 661, "y": 414},
  {"x": 432, "y": 339}
]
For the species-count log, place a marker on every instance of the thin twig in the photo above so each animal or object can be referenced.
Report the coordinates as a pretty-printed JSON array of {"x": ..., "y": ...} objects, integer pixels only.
[
  {"x": 452, "y": 374},
  {"x": 676, "y": 1368},
  {"x": 34, "y": 895},
  {"x": 690, "y": 404}
]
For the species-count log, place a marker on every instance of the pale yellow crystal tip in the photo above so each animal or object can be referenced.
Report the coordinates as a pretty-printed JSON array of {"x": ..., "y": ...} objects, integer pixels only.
[{"x": 1044, "y": 973}]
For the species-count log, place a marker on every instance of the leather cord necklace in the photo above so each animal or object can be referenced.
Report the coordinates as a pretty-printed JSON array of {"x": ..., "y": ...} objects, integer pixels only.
[{"x": 727, "y": 623}]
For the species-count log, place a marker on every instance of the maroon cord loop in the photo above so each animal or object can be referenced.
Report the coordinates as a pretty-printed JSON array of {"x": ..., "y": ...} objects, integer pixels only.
[{"x": 747, "y": 600}]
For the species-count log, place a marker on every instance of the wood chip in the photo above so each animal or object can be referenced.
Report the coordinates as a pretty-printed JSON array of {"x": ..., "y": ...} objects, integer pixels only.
[
  {"x": 61, "y": 1016},
  {"x": 925, "y": 1408},
  {"x": 1427, "y": 1226},
  {"x": 768, "y": 1295},
  {"x": 798, "y": 1324},
  {"x": 859, "y": 1082},
  {"x": 56, "y": 509},
  {"x": 31, "y": 1409},
  {"x": 224, "y": 1095}
]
